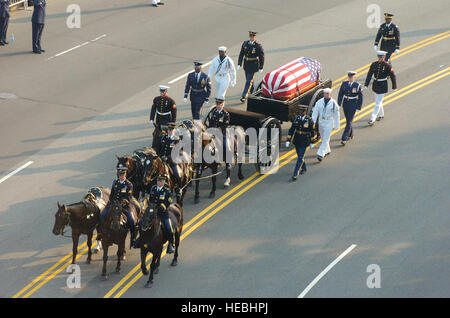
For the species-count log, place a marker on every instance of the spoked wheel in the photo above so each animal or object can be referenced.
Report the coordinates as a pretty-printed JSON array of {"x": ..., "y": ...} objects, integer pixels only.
[
  {"x": 207, "y": 120},
  {"x": 268, "y": 151}
]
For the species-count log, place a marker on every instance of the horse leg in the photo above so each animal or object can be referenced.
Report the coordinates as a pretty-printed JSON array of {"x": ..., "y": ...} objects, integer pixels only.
[
  {"x": 240, "y": 174},
  {"x": 197, "y": 183},
  {"x": 152, "y": 269},
  {"x": 226, "y": 184},
  {"x": 98, "y": 247},
  {"x": 143, "y": 257},
  {"x": 158, "y": 261},
  {"x": 177, "y": 243},
  {"x": 75, "y": 238},
  {"x": 89, "y": 244},
  {"x": 105, "y": 259},
  {"x": 121, "y": 248},
  {"x": 214, "y": 169}
]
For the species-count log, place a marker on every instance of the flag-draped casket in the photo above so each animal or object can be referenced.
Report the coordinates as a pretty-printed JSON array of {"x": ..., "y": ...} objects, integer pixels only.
[{"x": 291, "y": 79}]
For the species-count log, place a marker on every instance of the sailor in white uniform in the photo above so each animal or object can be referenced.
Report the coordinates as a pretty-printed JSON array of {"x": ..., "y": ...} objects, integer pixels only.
[{"x": 223, "y": 72}]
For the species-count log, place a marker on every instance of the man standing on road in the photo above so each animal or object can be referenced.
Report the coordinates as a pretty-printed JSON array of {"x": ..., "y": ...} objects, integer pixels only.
[
  {"x": 350, "y": 98},
  {"x": 380, "y": 70},
  {"x": 4, "y": 20},
  {"x": 221, "y": 68},
  {"x": 38, "y": 20},
  {"x": 391, "y": 37},
  {"x": 164, "y": 111},
  {"x": 252, "y": 53},
  {"x": 326, "y": 113},
  {"x": 200, "y": 86}
]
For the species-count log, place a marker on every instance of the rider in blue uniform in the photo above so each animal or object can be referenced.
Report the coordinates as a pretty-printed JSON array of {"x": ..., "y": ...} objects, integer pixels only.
[
  {"x": 167, "y": 144},
  {"x": 350, "y": 98}
]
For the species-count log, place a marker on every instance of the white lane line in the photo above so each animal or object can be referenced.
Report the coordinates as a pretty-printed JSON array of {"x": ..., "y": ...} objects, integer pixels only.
[
  {"x": 77, "y": 47},
  {"x": 15, "y": 171},
  {"x": 322, "y": 274},
  {"x": 184, "y": 75}
]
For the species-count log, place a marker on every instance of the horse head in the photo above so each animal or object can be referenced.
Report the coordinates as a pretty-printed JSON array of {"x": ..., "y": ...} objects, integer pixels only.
[
  {"x": 152, "y": 168},
  {"x": 126, "y": 161},
  {"x": 114, "y": 216},
  {"x": 61, "y": 220},
  {"x": 149, "y": 218}
]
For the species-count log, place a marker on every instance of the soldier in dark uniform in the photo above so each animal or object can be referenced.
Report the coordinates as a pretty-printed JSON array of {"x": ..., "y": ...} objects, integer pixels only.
[
  {"x": 164, "y": 111},
  {"x": 391, "y": 37},
  {"x": 252, "y": 53},
  {"x": 380, "y": 70},
  {"x": 4, "y": 20},
  {"x": 300, "y": 133},
  {"x": 166, "y": 146},
  {"x": 350, "y": 98},
  {"x": 38, "y": 20},
  {"x": 200, "y": 86},
  {"x": 161, "y": 196},
  {"x": 122, "y": 189}
]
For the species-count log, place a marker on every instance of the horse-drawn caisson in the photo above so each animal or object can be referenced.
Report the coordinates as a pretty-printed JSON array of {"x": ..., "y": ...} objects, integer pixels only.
[{"x": 289, "y": 89}]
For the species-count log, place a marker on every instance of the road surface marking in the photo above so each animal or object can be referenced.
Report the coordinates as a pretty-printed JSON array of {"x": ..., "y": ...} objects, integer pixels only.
[
  {"x": 326, "y": 270},
  {"x": 77, "y": 47},
  {"x": 15, "y": 171}
]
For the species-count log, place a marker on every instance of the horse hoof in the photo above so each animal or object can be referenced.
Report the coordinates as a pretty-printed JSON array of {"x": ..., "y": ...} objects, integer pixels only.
[
  {"x": 144, "y": 271},
  {"x": 88, "y": 261},
  {"x": 104, "y": 278},
  {"x": 174, "y": 263},
  {"x": 241, "y": 177},
  {"x": 117, "y": 270},
  {"x": 96, "y": 251},
  {"x": 196, "y": 200},
  {"x": 149, "y": 285},
  {"x": 156, "y": 271},
  {"x": 212, "y": 195},
  {"x": 124, "y": 258}
]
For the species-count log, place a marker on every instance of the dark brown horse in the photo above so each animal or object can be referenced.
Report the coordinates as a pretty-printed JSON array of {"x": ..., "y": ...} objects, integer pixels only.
[
  {"x": 82, "y": 217},
  {"x": 153, "y": 237},
  {"x": 134, "y": 174},
  {"x": 114, "y": 231}
]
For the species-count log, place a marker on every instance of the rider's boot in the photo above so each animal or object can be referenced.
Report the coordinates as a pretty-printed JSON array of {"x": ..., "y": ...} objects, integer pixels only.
[{"x": 133, "y": 236}]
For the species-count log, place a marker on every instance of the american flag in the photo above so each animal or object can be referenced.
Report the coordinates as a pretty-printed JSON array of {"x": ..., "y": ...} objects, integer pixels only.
[{"x": 291, "y": 79}]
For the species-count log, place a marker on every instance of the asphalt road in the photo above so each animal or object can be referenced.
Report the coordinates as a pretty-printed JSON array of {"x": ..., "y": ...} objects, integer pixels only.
[{"x": 386, "y": 191}]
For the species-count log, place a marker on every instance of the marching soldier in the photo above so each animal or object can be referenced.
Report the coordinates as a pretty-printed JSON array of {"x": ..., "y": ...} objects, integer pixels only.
[
  {"x": 123, "y": 189},
  {"x": 301, "y": 132},
  {"x": 350, "y": 98},
  {"x": 4, "y": 20},
  {"x": 252, "y": 53},
  {"x": 37, "y": 21},
  {"x": 220, "y": 118},
  {"x": 200, "y": 86},
  {"x": 164, "y": 111},
  {"x": 380, "y": 70},
  {"x": 391, "y": 37},
  {"x": 222, "y": 67},
  {"x": 161, "y": 196},
  {"x": 326, "y": 114},
  {"x": 168, "y": 142}
]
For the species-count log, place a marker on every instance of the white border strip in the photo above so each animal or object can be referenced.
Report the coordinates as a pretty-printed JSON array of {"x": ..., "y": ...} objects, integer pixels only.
[
  {"x": 181, "y": 76},
  {"x": 322, "y": 274},
  {"x": 15, "y": 171}
]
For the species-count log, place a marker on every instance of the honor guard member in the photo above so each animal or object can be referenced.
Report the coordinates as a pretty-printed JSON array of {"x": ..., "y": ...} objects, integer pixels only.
[
  {"x": 326, "y": 114},
  {"x": 220, "y": 118},
  {"x": 300, "y": 133},
  {"x": 390, "y": 34},
  {"x": 167, "y": 144},
  {"x": 380, "y": 70},
  {"x": 199, "y": 84},
  {"x": 37, "y": 21},
  {"x": 223, "y": 72},
  {"x": 252, "y": 53},
  {"x": 161, "y": 196},
  {"x": 350, "y": 98},
  {"x": 164, "y": 111},
  {"x": 4, "y": 20},
  {"x": 156, "y": 3},
  {"x": 122, "y": 189}
]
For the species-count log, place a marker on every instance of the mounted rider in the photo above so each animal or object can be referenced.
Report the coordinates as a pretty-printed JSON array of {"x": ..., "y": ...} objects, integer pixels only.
[
  {"x": 161, "y": 196},
  {"x": 122, "y": 189},
  {"x": 167, "y": 144}
]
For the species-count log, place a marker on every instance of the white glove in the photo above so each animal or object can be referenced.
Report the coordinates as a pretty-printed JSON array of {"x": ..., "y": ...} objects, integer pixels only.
[
  {"x": 287, "y": 144},
  {"x": 311, "y": 146},
  {"x": 151, "y": 122},
  {"x": 238, "y": 68},
  {"x": 365, "y": 87},
  {"x": 233, "y": 84},
  {"x": 396, "y": 51},
  {"x": 206, "y": 102},
  {"x": 375, "y": 48},
  {"x": 260, "y": 70},
  {"x": 185, "y": 100}
]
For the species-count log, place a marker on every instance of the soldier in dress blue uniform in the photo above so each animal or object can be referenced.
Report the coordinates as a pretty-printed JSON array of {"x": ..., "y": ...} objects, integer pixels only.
[
  {"x": 122, "y": 189},
  {"x": 252, "y": 53},
  {"x": 38, "y": 20},
  {"x": 164, "y": 111},
  {"x": 350, "y": 98},
  {"x": 4, "y": 20},
  {"x": 168, "y": 142},
  {"x": 200, "y": 86},
  {"x": 161, "y": 196},
  {"x": 391, "y": 37},
  {"x": 301, "y": 132}
]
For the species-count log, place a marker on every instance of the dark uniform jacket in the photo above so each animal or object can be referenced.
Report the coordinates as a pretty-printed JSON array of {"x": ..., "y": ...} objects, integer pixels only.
[
  {"x": 120, "y": 191},
  {"x": 253, "y": 56},
  {"x": 220, "y": 120},
  {"x": 391, "y": 37},
  {"x": 4, "y": 8},
  {"x": 350, "y": 95},
  {"x": 165, "y": 147},
  {"x": 161, "y": 198},
  {"x": 381, "y": 71},
  {"x": 38, "y": 11},
  {"x": 302, "y": 130},
  {"x": 165, "y": 110},
  {"x": 200, "y": 89}
]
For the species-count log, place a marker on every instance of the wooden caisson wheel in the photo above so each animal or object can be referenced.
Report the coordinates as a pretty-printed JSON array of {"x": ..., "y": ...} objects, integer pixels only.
[
  {"x": 266, "y": 149},
  {"x": 207, "y": 120}
]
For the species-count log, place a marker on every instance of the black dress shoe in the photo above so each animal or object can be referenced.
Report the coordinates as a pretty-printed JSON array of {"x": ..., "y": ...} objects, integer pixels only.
[
  {"x": 294, "y": 178},
  {"x": 242, "y": 100},
  {"x": 380, "y": 118},
  {"x": 161, "y": 3},
  {"x": 371, "y": 123},
  {"x": 1, "y": 43},
  {"x": 154, "y": 5},
  {"x": 343, "y": 142},
  {"x": 42, "y": 50},
  {"x": 37, "y": 52},
  {"x": 303, "y": 172},
  {"x": 319, "y": 158},
  {"x": 5, "y": 43}
]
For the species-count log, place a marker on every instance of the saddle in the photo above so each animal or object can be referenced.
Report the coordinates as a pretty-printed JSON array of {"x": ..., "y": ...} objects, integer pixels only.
[{"x": 95, "y": 195}]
